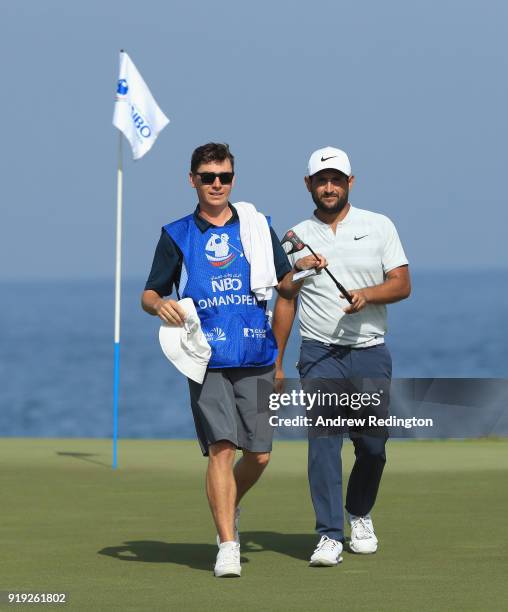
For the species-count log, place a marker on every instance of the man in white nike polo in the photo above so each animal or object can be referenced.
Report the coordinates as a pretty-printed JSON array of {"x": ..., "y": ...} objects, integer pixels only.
[{"x": 343, "y": 341}]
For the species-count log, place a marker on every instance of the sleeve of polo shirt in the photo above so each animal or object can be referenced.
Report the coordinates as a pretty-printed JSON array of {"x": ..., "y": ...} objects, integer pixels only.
[
  {"x": 280, "y": 259},
  {"x": 165, "y": 266},
  {"x": 393, "y": 254}
]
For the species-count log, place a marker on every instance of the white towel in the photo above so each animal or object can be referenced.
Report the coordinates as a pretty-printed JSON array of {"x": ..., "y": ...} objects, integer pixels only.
[
  {"x": 257, "y": 246},
  {"x": 186, "y": 346}
]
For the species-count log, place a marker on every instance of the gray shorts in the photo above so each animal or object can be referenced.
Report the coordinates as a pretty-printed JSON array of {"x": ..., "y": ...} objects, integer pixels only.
[{"x": 226, "y": 407}]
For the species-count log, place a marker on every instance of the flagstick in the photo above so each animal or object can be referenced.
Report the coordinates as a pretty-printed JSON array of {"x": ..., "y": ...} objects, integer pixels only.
[{"x": 118, "y": 269}]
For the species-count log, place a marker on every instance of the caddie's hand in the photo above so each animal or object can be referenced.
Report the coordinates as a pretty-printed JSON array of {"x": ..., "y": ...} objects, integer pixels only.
[
  {"x": 278, "y": 382},
  {"x": 308, "y": 262},
  {"x": 360, "y": 300},
  {"x": 170, "y": 312}
]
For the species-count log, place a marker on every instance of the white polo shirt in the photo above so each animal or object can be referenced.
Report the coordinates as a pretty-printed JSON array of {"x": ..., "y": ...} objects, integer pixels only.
[{"x": 364, "y": 248}]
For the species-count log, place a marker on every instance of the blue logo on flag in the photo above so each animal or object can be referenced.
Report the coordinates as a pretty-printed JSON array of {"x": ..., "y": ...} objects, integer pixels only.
[
  {"x": 140, "y": 123},
  {"x": 123, "y": 88}
]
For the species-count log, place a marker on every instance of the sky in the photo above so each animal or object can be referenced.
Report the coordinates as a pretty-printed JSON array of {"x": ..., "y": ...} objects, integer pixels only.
[{"x": 415, "y": 92}]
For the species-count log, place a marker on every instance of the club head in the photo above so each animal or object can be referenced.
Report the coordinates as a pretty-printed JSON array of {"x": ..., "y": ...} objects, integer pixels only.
[{"x": 291, "y": 243}]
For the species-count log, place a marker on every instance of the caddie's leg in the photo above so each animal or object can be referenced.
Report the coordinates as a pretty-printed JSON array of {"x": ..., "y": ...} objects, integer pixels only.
[
  {"x": 247, "y": 471},
  {"x": 251, "y": 387},
  {"x": 221, "y": 487}
]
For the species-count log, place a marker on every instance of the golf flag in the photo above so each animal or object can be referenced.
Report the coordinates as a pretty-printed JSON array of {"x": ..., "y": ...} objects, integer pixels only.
[
  {"x": 137, "y": 114},
  {"x": 140, "y": 120}
]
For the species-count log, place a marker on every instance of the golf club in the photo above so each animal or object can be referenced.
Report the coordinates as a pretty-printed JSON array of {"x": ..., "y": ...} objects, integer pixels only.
[{"x": 297, "y": 245}]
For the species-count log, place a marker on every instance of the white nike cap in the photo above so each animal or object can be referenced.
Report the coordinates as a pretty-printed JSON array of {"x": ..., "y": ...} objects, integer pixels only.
[
  {"x": 186, "y": 346},
  {"x": 329, "y": 158}
]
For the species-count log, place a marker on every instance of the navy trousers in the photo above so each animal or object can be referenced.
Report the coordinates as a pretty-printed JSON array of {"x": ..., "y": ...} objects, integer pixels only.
[{"x": 323, "y": 361}]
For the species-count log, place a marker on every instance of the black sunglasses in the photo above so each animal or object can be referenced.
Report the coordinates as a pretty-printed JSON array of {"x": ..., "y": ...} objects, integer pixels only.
[{"x": 208, "y": 178}]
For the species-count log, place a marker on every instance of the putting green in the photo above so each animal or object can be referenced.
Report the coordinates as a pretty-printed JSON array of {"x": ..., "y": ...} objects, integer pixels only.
[{"x": 141, "y": 537}]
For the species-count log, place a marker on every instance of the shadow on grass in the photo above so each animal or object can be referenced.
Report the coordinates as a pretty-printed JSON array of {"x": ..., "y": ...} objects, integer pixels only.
[
  {"x": 297, "y": 545},
  {"x": 202, "y": 556},
  {"x": 196, "y": 556},
  {"x": 83, "y": 457}
]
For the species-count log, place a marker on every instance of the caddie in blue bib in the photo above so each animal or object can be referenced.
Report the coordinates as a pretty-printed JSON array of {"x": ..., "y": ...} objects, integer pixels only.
[{"x": 234, "y": 322}]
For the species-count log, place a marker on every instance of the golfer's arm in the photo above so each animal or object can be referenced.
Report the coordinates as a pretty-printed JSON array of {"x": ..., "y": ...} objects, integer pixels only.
[
  {"x": 287, "y": 288},
  {"x": 284, "y": 315},
  {"x": 150, "y": 300},
  {"x": 396, "y": 287}
]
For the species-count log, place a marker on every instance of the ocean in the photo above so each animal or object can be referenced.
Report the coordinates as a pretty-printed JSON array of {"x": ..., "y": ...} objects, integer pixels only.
[{"x": 56, "y": 353}]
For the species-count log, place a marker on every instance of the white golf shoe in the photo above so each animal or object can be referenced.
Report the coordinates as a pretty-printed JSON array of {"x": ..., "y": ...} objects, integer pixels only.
[
  {"x": 363, "y": 539},
  {"x": 227, "y": 564},
  {"x": 327, "y": 553},
  {"x": 237, "y": 523}
]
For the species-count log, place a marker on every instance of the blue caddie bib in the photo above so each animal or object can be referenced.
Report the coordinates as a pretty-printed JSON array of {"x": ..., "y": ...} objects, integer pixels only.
[{"x": 218, "y": 281}]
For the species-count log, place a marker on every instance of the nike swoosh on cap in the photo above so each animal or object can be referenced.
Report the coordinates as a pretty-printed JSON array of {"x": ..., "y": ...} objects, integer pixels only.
[{"x": 323, "y": 159}]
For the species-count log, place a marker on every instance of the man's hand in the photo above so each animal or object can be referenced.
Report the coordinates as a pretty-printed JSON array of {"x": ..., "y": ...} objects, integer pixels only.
[
  {"x": 396, "y": 287},
  {"x": 360, "y": 300},
  {"x": 308, "y": 262},
  {"x": 170, "y": 312},
  {"x": 287, "y": 287},
  {"x": 278, "y": 382}
]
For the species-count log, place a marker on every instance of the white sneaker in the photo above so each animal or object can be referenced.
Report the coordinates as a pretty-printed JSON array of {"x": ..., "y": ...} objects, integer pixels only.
[
  {"x": 327, "y": 553},
  {"x": 227, "y": 563},
  {"x": 363, "y": 539},
  {"x": 236, "y": 535}
]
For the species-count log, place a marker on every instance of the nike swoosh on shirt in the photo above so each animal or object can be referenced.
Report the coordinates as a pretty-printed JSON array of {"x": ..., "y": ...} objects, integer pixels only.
[{"x": 360, "y": 237}]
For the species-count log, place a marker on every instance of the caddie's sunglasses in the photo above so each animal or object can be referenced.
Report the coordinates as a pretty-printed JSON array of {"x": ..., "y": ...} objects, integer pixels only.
[{"x": 208, "y": 178}]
